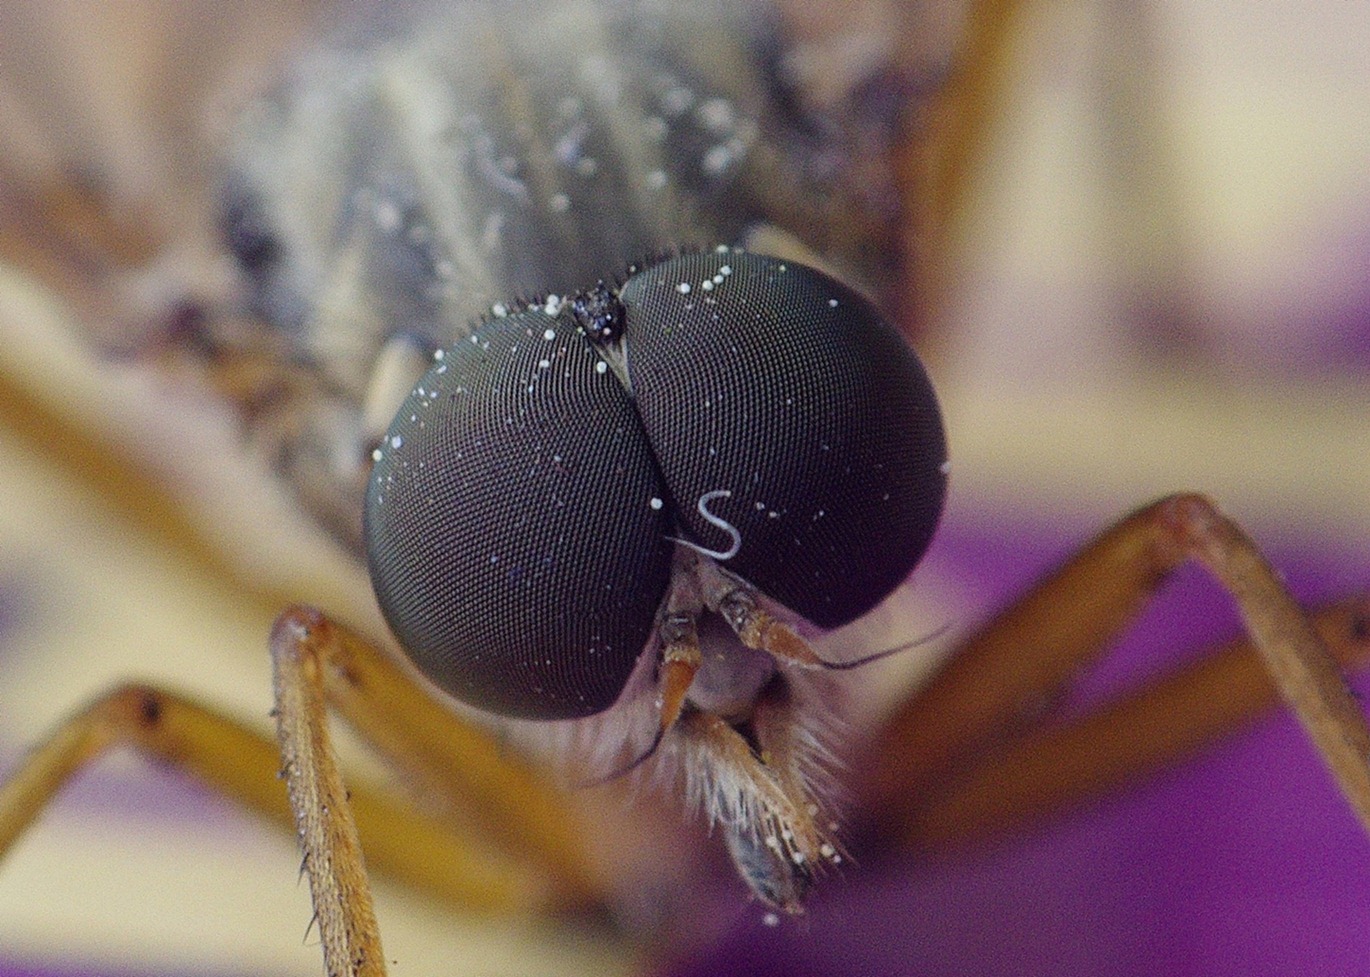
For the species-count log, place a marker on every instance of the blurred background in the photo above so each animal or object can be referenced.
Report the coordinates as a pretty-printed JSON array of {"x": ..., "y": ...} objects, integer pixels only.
[{"x": 1155, "y": 279}]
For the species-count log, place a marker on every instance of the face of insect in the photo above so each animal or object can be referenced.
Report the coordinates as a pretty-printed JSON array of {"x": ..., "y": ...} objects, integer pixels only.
[
  {"x": 545, "y": 504},
  {"x": 573, "y": 486}
]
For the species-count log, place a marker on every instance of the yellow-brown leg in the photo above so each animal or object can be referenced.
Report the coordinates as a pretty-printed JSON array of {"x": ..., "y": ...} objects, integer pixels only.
[
  {"x": 969, "y": 755},
  {"x": 518, "y": 852}
]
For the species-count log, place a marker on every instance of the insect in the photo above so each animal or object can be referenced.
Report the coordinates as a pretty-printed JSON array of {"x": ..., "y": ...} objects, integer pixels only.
[{"x": 724, "y": 540}]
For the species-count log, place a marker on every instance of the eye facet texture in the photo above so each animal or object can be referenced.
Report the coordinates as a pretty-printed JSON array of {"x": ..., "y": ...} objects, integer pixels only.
[
  {"x": 519, "y": 517},
  {"x": 509, "y": 526},
  {"x": 780, "y": 385}
]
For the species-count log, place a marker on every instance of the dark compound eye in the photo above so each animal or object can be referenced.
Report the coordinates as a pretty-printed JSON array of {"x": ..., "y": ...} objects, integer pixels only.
[
  {"x": 519, "y": 517},
  {"x": 514, "y": 524},
  {"x": 780, "y": 386}
]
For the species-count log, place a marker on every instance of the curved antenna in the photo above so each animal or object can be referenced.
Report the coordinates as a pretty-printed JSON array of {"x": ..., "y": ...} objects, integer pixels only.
[
  {"x": 627, "y": 768},
  {"x": 883, "y": 653}
]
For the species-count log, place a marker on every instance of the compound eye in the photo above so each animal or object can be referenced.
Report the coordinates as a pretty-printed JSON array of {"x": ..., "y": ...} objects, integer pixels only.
[
  {"x": 796, "y": 431},
  {"x": 515, "y": 528}
]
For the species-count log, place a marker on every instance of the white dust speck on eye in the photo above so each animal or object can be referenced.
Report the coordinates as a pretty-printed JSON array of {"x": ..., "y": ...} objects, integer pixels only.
[
  {"x": 707, "y": 285},
  {"x": 827, "y": 850},
  {"x": 717, "y": 279},
  {"x": 544, "y": 364},
  {"x": 499, "y": 310},
  {"x": 782, "y": 267},
  {"x": 549, "y": 335},
  {"x": 438, "y": 353},
  {"x": 798, "y": 858},
  {"x": 655, "y": 503},
  {"x": 601, "y": 367},
  {"x": 656, "y": 179},
  {"x": 553, "y": 305},
  {"x": 770, "y": 919},
  {"x": 560, "y": 203},
  {"x": 442, "y": 369},
  {"x": 725, "y": 270},
  {"x": 397, "y": 442},
  {"x": 376, "y": 455},
  {"x": 945, "y": 468},
  {"x": 494, "y": 557},
  {"x": 832, "y": 303},
  {"x": 683, "y": 288}
]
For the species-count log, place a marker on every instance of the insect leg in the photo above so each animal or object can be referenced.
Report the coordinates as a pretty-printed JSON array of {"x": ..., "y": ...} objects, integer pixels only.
[
  {"x": 244, "y": 764},
  {"x": 461, "y": 770},
  {"x": 968, "y": 756}
]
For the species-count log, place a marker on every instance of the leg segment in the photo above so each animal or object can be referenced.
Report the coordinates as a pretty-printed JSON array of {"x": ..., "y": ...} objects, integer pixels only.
[{"x": 969, "y": 755}]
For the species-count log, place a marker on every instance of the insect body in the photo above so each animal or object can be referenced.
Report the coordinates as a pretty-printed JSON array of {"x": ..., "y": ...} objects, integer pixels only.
[
  {"x": 576, "y": 482},
  {"x": 398, "y": 186}
]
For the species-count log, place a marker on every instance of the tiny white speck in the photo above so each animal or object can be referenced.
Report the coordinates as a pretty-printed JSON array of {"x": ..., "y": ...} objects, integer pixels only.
[
  {"x": 438, "y": 354},
  {"x": 549, "y": 335},
  {"x": 683, "y": 288},
  {"x": 656, "y": 179},
  {"x": 587, "y": 166},
  {"x": 722, "y": 249},
  {"x": 832, "y": 303},
  {"x": 376, "y": 455},
  {"x": 770, "y": 919},
  {"x": 707, "y": 285},
  {"x": 655, "y": 503},
  {"x": 499, "y": 310},
  {"x": 387, "y": 216},
  {"x": 494, "y": 558},
  {"x": 560, "y": 203},
  {"x": 717, "y": 159},
  {"x": 601, "y": 367},
  {"x": 397, "y": 442},
  {"x": 827, "y": 850},
  {"x": 725, "y": 270},
  {"x": 544, "y": 364},
  {"x": 945, "y": 468}
]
